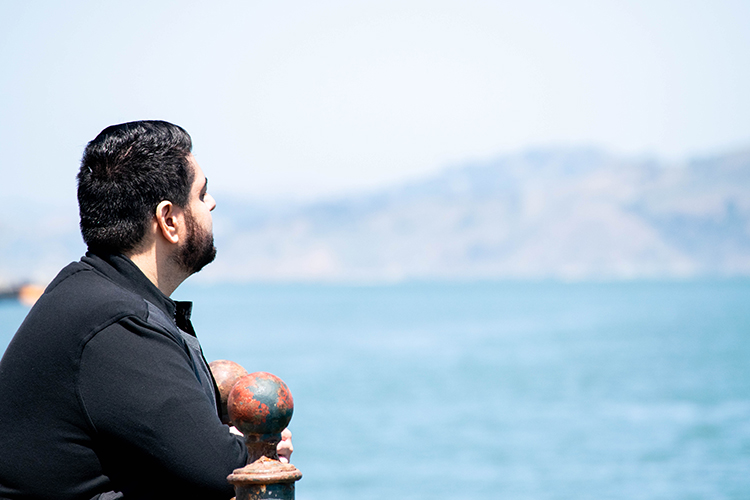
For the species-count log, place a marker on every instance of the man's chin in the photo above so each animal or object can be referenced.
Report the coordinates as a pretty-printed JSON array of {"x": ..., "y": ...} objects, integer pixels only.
[{"x": 206, "y": 258}]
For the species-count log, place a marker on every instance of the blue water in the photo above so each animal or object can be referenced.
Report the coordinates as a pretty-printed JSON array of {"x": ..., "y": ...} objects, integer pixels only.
[{"x": 498, "y": 390}]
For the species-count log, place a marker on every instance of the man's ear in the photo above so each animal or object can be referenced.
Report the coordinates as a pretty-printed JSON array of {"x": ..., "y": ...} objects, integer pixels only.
[{"x": 168, "y": 219}]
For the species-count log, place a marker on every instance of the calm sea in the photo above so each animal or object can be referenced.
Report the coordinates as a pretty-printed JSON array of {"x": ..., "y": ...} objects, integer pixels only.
[{"x": 498, "y": 390}]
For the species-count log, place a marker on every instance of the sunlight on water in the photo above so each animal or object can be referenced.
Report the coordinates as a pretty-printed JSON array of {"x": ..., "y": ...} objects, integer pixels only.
[{"x": 498, "y": 390}]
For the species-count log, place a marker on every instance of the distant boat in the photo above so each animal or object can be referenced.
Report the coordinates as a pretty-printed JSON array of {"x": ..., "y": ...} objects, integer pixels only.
[{"x": 27, "y": 294}]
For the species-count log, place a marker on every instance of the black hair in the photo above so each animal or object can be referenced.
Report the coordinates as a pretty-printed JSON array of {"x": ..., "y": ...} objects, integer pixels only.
[{"x": 126, "y": 171}]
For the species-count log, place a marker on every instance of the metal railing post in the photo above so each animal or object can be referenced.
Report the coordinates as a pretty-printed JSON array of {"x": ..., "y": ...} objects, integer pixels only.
[{"x": 260, "y": 405}]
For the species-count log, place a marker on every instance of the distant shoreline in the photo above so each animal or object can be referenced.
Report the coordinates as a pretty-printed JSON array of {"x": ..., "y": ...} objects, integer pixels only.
[{"x": 27, "y": 293}]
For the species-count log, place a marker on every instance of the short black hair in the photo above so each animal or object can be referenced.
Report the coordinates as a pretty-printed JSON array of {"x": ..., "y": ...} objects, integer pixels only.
[{"x": 126, "y": 171}]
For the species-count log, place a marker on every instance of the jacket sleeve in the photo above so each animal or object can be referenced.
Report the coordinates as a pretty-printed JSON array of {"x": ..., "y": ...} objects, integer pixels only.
[{"x": 155, "y": 432}]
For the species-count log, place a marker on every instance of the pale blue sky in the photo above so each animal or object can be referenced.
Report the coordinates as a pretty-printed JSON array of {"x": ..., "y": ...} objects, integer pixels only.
[{"x": 303, "y": 98}]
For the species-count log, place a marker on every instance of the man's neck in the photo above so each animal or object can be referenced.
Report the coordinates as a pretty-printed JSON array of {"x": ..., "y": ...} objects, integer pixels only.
[{"x": 158, "y": 268}]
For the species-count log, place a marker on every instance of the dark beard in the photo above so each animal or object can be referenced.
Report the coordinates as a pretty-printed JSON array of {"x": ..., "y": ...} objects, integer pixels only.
[{"x": 199, "y": 248}]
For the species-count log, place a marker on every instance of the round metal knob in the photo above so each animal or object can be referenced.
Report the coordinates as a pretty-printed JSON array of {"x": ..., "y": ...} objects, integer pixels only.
[
  {"x": 260, "y": 404},
  {"x": 226, "y": 373}
]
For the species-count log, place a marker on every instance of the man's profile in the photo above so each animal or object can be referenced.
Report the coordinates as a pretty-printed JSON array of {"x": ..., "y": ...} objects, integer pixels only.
[{"x": 104, "y": 390}]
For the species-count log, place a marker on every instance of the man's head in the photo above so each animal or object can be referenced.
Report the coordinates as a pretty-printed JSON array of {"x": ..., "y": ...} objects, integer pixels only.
[
  {"x": 128, "y": 171},
  {"x": 198, "y": 249}
]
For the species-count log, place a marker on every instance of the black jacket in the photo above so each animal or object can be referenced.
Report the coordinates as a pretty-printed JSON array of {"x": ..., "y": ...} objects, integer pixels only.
[{"x": 100, "y": 391}]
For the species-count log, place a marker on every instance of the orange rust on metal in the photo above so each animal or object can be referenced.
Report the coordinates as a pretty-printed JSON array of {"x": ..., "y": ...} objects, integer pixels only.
[
  {"x": 284, "y": 397},
  {"x": 257, "y": 411},
  {"x": 264, "y": 479},
  {"x": 226, "y": 373},
  {"x": 265, "y": 447},
  {"x": 260, "y": 405},
  {"x": 265, "y": 470}
]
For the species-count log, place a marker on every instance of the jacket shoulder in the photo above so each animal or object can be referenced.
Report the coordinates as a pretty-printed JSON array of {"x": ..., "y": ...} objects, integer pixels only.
[{"x": 80, "y": 294}]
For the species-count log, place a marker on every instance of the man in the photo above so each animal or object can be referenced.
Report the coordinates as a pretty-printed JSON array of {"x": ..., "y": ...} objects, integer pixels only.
[{"x": 104, "y": 392}]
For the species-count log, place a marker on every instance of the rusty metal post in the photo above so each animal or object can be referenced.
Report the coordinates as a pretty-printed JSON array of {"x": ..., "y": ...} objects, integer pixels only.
[
  {"x": 260, "y": 406},
  {"x": 225, "y": 373}
]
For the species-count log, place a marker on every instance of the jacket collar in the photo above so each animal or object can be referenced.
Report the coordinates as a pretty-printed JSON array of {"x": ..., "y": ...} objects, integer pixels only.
[{"x": 125, "y": 273}]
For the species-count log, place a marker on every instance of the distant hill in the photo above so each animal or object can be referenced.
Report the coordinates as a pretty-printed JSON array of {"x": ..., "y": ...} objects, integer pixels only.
[
  {"x": 546, "y": 213},
  {"x": 555, "y": 213}
]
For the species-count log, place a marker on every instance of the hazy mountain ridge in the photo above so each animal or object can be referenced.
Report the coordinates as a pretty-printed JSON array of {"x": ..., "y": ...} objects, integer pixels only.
[
  {"x": 556, "y": 213},
  {"x": 570, "y": 213}
]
